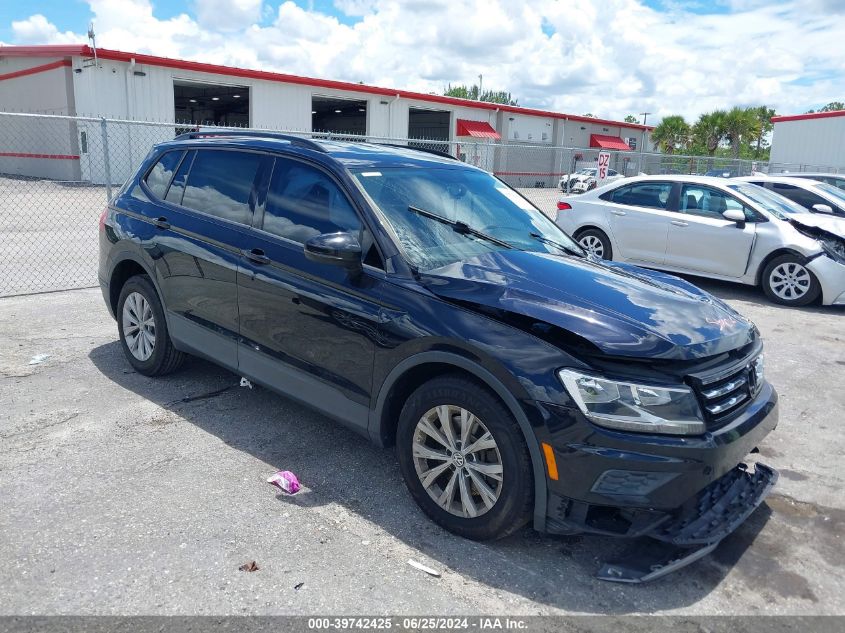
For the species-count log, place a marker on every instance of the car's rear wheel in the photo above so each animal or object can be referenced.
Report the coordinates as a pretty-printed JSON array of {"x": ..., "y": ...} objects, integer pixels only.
[
  {"x": 464, "y": 459},
  {"x": 787, "y": 281},
  {"x": 595, "y": 241},
  {"x": 143, "y": 329}
]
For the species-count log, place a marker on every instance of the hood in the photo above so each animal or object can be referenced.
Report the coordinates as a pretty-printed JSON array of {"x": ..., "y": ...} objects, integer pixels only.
[
  {"x": 622, "y": 310},
  {"x": 830, "y": 223}
]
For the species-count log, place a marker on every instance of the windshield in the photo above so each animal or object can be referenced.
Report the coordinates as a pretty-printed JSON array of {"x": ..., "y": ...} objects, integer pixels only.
[
  {"x": 774, "y": 203},
  {"x": 830, "y": 190},
  {"x": 472, "y": 197}
]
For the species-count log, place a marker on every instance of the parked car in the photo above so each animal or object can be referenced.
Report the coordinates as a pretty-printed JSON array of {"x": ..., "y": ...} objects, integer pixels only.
[
  {"x": 579, "y": 181},
  {"x": 714, "y": 227},
  {"x": 813, "y": 195},
  {"x": 722, "y": 173},
  {"x": 837, "y": 180},
  {"x": 425, "y": 304}
]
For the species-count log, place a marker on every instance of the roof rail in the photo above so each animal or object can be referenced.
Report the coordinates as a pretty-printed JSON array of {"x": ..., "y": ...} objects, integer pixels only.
[
  {"x": 306, "y": 143},
  {"x": 427, "y": 150}
]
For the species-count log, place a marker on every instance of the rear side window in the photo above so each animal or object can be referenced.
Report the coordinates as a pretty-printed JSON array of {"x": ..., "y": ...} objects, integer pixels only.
[
  {"x": 221, "y": 183},
  {"x": 304, "y": 202},
  {"x": 161, "y": 174},
  {"x": 177, "y": 185},
  {"x": 651, "y": 195}
]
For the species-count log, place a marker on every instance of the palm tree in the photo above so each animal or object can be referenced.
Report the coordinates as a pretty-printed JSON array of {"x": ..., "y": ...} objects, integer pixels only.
[
  {"x": 709, "y": 131},
  {"x": 672, "y": 133},
  {"x": 739, "y": 126},
  {"x": 763, "y": 119}
]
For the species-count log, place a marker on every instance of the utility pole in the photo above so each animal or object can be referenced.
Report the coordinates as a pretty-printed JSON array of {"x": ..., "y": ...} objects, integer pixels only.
[
  {"x": 480, "y": 80},
  {"x": 644, "y": 115}
]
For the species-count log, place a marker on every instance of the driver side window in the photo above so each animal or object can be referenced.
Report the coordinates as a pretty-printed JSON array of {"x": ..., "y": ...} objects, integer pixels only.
[{"x": 707, "y": 202}]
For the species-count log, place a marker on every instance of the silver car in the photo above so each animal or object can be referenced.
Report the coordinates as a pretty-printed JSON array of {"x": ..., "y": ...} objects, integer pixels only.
[
  {"x": 816, "y": 196},
  {"x": 717, "y": 228}
]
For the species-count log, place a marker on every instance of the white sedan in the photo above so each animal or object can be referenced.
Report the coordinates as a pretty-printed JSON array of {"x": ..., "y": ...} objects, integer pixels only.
[
  {"x": 713, "y": 227},
  {"x": 814, "y": 195}
]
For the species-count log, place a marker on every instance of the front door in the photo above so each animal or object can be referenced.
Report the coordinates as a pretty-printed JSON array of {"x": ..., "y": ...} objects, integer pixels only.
[
  {"x": 701, "y": 240},
  {"x": 308, "y": 329}
]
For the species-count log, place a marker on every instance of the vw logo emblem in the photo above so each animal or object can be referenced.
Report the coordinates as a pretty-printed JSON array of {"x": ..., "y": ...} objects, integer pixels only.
[
  {"x": 458, "y": 458},
  {"x": 752, "y": 379}
]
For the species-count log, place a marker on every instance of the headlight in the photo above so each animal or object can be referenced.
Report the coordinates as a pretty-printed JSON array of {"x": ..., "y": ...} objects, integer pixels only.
[{"x": 633, "y": 407}]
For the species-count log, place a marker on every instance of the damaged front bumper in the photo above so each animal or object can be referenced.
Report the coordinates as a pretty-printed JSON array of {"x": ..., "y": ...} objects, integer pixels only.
[
  {"x": 831, "y": 276},
  {"x": 697, "y": 529},
  {"x": 678, "y": 495}
]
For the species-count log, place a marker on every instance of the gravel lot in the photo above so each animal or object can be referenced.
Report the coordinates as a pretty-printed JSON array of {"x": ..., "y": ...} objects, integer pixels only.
[{"x": 119, "y": 497}]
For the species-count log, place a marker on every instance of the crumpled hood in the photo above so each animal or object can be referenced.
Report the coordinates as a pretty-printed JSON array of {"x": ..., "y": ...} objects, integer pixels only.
[
  {"x": 833, "y": 224},
  {"x": 621, "y": 309}
]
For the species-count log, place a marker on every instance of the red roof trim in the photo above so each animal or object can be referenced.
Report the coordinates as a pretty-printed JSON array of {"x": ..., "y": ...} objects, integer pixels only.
[
  {"x": 477, "y": 129},
  {"x": 28, "y": 155},
  {"x": 606, "y": 141},
  {"x": 152, "y": 60},
  {"x": 802, "y": 117},
  {"x": 35, "y": 69}
]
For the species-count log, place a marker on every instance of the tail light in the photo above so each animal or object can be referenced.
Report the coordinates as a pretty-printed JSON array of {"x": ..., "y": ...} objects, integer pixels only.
[
  {"x": 103, "y": 219},
  {"x": 563, "y": 206}
]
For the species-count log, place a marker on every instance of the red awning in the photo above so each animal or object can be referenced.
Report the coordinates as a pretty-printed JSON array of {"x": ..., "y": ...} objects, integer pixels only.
[
  {"x": 478, "y": 129},
  {"x": 608, "y": 142}
]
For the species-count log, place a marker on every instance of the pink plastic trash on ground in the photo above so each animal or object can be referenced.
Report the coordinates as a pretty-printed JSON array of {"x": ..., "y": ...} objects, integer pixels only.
[{"x": 285, "y": 481}]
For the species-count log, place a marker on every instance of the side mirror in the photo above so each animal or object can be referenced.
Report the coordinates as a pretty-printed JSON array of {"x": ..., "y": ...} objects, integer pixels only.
[
  {"x": 336, "y": 249},
  {"x": 734, "y": 215},
  {"x": 822, "y": 208}
]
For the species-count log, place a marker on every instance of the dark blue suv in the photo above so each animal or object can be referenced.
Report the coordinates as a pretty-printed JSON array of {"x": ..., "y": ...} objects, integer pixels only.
[{"x": 424, "y": 303}]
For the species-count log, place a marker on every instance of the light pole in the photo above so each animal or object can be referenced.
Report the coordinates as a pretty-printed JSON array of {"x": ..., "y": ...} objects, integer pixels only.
[
  {"x": 480, "y": 80},
  {"x": 644, "y": 115}
]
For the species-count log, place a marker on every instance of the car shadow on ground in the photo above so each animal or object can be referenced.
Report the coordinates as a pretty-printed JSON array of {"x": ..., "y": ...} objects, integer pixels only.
[
  {"x": 337, "y": 466},
  {"x": 731, "y": 291}
]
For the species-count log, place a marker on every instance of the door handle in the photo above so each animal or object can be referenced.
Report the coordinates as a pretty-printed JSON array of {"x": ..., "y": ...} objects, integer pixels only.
[
  {"x": 680, "y": 223},
  {"x": 161, "y": 223},
  {"x": 256, "y": 255},
  {"x": 617, "y": 212}
]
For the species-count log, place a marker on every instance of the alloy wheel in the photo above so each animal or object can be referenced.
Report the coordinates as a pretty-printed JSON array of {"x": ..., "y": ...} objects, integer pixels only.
[
  {"x": 790, "y": 281},
  {"x": 593, "y": 245},
  {"x": 457, "y": 461},
  {"x": 139, "y": 327}
]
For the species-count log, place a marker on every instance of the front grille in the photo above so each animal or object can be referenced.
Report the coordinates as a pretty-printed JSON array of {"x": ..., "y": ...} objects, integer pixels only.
[{"x": 724, "y": 395}]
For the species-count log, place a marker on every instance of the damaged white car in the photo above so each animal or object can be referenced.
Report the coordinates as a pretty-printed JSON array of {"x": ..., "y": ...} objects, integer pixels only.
[{"x": 717, "y": 228}]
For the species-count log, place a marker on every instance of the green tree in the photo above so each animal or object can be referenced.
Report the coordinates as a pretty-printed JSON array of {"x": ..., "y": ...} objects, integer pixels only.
[
  {"x": 631, "y": 119},
  {"x": 740, "y": 125},
  {"x": 709, "y": 131},
  {"x": 763, "y": 121},
  {"x": 833, "y": 106},
  {"x": 672, "y": 133},
  {"x": 471, "y": 92}
]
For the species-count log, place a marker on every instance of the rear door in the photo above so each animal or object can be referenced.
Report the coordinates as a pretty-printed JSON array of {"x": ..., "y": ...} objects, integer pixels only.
[
  {"x": 639, "y": 218},
  {"x": 309, "y": 329},
  {"x": 203, "y": 226},
  {"x": 701, "y": 240}
]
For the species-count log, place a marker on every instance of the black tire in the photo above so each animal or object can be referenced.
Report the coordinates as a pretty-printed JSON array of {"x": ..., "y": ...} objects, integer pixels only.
[
  {"x": 607, "y": 249},
  {"x": 165, "y": 358},
  {"x": 513, "y": 507},
  {"x": 803, "y": 279}
]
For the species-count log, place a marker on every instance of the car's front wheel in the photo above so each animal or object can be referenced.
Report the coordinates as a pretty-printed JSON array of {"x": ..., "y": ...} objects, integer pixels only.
[
  {"x": 464, "y": 459},
  {"x": 143, "y": 329},
  {"x": 787, "y": 281}
]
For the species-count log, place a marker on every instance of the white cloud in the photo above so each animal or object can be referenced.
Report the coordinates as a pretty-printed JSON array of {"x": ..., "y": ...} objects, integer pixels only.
[
  {"x": 609, "y": 57},
  {"x": 36, "y": 29},
  {"x": 227, "y": 15}
]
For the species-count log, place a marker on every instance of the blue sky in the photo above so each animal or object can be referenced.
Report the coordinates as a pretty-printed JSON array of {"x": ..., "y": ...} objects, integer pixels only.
[{"x": 608, "y": 57}]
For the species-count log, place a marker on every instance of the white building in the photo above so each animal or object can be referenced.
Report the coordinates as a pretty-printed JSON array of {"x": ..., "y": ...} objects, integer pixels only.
[
  {"x": 809, "y": 142},
  {"x": 70, "y": 80}
]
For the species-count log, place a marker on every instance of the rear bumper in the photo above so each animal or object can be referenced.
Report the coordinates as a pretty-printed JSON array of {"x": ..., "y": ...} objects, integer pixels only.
[{"x": 625, "y": 484}]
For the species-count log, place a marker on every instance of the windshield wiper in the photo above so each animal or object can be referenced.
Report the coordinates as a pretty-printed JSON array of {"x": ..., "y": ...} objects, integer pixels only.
[
  {"x": 459, "y": 227},
  {"x": 563, "y": 247}
]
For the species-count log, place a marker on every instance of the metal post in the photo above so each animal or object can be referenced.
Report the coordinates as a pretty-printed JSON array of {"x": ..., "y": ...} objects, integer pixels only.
[{"x": 104, "y": 133}]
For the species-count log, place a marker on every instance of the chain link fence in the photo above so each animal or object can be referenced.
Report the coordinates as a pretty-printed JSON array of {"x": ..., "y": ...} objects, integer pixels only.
[{"x": 57, "y": 174}]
